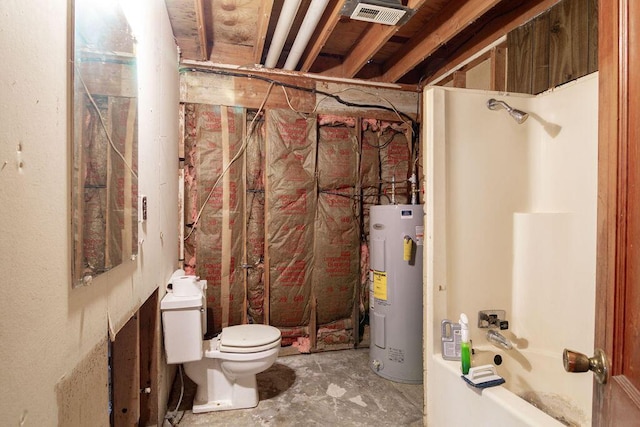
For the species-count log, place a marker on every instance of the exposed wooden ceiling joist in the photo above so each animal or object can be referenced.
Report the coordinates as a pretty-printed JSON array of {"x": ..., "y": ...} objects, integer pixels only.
[
  {"x": 324, "y": 30},
  {"x": 439, "y": 34},
  {"x": 202, "y": 29},
  {"x": 495, "y": 28},
  {"x": 375, "y": 37},
  {"x": 456, "y": 16},
  {"x": 264, "y": 16},
  {"x": 187, "y": 27}
]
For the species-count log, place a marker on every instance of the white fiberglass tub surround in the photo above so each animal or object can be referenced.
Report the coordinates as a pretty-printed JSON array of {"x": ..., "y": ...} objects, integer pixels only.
[{"x": 511, "y": 224}]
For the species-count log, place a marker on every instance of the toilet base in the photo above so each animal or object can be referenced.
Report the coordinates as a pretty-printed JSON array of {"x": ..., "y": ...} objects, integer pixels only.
[
  {"x": 228, "y": 394},
  {"x": 222, "y": 405}
]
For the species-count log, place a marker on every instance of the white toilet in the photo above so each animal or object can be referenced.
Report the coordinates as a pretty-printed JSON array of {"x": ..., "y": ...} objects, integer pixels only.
[{"x": 225, "y": 367}]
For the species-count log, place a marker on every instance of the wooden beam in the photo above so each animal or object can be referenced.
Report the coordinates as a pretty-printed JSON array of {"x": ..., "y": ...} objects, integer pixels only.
[
  {"x": 540, "y": 54},
  {"x": 460, "y": 79},
  {"x": 214, "y": 89},
  {"x": 202, "y": 29},
  {"x": 520, "y": 45},
  {"x": 404, "y": 101},
  {"x": 232, "y": 54},
  {"x": 415, "y": 4},
  {"x": 374, "y": 38},
  {"x": 264, "y": 15},
  {"x": 470, "y": 65},
  {"x": 108, "y": 78},
  {"x": 150, "y": 349},
  {"x": 186, "y": 16},
  {"x": 324, "y": 30},
  {"x": 491, "y": 33},
  {"x": 454, "y": 18},
  {"x": 498, "y": 68},
  {"x": 126, "y": 374},
  {"x": 568, "y": 42}
]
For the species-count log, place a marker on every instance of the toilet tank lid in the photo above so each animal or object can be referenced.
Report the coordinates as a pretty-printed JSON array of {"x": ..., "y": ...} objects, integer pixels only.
[
  {"x": 248, "y": 335},
  {"x": 172, "y": 302}
]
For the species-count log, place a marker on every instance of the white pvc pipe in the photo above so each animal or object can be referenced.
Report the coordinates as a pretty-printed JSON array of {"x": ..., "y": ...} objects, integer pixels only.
[
  {"x": 311, "y": 19},
  {"x": 285, "y": 21}
]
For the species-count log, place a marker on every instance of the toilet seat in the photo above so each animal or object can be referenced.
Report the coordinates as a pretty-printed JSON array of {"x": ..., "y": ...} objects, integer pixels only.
[{"x": 248, "y": 338}]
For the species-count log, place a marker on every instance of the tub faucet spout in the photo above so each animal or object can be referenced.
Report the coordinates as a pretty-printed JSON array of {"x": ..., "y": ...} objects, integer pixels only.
[{"x": 499, "y": 340}]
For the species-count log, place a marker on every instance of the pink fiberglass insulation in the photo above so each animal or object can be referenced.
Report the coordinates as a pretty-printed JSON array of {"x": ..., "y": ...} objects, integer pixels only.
[
  {"x": 309, "y": 216},
  {"x": 255, "y": 197},
  {"x": 291, "y": 201},
  {"x": 303, "y": 344},
  {"x": 364, "y": 278},
  {"x": 334, "y": 120},
  {"x": 215, "y": 133},
  {"x": 336, "y": 263}
]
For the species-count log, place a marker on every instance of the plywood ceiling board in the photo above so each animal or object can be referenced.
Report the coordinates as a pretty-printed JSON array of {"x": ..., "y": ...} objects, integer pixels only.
[
  {"x": 184, "y": 22},
  {"x": 264, "y": 15},
  {"x": 234, "y": 24}
]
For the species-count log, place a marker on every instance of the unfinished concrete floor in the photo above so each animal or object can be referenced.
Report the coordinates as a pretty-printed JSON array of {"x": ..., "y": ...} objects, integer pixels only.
[{"x": 323, "y": 389}]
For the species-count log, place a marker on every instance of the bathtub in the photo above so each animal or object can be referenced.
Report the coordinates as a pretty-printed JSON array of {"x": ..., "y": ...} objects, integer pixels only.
[{"x": 537, "y": 392}]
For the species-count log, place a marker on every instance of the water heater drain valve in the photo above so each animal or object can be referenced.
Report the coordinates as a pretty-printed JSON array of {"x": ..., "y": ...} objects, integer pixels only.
[{"x": 377, "y": 365}]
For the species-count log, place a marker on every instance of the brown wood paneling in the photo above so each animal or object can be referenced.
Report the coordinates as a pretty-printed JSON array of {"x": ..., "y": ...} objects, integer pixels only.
[
  {"x": 592, "y": 16},
  {"x": 519, "y": 56},
  {"x": 498, "y": 58},
  {"x": 126, "y": 375},
  {"x": 500, "y": 26},
  {"x": 631, "y": 297},
  {"x": 617, "y": 274},
  {"x": 564, "y": 47},
  {"x": 460, "y": 79},
  {"x": 540, "y": 54},
  {"x": 568, "y": 41},
  {"x": 149, "y": 346}
]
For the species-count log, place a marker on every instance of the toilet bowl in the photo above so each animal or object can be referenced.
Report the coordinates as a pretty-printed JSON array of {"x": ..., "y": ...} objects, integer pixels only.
[
  {"x": 224, "y": 368},
  {"x": 227, "y": 379}
]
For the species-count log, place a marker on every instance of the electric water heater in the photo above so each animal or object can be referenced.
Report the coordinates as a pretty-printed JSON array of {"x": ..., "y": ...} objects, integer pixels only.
[{"x": 395, "y": 292}]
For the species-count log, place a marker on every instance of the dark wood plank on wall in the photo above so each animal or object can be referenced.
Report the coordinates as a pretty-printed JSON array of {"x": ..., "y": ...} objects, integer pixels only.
[
  {"x": 554, "y": 48},
  {"x": 540, "y": 52},
  {"x": 569, "y": 41},
  {"x": 592, "y": 16},
  {"x": 519, "y": 57}
]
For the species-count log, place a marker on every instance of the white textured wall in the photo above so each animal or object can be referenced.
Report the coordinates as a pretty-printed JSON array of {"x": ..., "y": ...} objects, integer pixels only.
[
  {"x": 48, "y": 331},
  {"x": 500, "y": 182}
]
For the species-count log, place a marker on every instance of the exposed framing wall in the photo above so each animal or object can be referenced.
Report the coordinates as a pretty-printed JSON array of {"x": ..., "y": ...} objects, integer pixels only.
[{"x": 327, "y": 282}]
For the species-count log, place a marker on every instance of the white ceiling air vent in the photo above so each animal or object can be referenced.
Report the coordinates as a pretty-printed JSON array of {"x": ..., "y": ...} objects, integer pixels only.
[
  {"x": 377, "y": 14},
  {"x": 388, "y": 12}
]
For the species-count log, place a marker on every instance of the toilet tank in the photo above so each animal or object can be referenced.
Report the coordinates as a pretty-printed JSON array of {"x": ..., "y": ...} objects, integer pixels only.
[{"x": 184, "y": 325}]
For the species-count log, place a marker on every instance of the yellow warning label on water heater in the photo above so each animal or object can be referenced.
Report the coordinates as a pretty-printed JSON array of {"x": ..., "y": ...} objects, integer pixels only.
[
  {"x": 408, "y": 248},
  {"x": 380, "y": 285}
]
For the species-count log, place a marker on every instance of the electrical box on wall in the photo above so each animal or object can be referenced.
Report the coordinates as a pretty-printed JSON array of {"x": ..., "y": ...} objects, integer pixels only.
[{"x": 142, "y": 208}]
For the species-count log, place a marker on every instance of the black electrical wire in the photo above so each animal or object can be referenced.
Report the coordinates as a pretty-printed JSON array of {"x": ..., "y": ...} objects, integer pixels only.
[{"x": 384, "y": 144}]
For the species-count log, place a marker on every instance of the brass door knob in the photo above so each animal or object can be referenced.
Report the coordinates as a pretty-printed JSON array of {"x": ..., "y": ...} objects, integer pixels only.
[{"x": 578, "y": 362}]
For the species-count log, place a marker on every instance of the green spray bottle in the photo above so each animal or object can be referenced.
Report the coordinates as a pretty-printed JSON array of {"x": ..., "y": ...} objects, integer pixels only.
[{"x": 465, "y": 345}]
